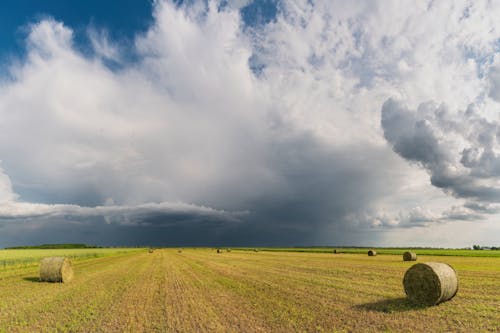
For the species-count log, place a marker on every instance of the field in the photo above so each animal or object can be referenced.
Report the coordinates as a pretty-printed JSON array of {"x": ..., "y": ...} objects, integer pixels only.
[
  {"x": 198, "y": 290},
  {"x": 395, "y": 251},
  {"x": 25, "y": 258}
]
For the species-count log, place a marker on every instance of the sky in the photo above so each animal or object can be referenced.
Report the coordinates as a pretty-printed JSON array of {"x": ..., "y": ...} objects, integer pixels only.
[{"x": 250, "y": 123}]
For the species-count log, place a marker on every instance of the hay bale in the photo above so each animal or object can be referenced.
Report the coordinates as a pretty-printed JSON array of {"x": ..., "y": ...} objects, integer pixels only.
[
  {"x": 219, "y": 251},
  {"x": 56, "y": 269},
  {"x": 255, "y": 250},
  {"x": 409, "y": 256},
  {"x": 228, "y": 250},
  {"x": 430, "y": 283},
  {"x": 179, "y": 251},
  {"x": 372, "y": 253}
]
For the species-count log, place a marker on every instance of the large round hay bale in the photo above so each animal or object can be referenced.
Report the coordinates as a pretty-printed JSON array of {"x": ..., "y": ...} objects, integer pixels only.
[
  {"x": 409, "y": 256},
  {"x": 219, "y": 251},
  {"x": 56, "y": 269},
  {"x": 372, "y": 253},
  {"x": 430, "y": 283},
  {"x": 228, "y": 250}
]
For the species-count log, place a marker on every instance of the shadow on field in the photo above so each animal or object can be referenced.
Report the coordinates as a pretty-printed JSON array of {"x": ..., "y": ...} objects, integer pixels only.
[
  {"x": 399, "y": 304},
  {"x": 32, "y": 279}
]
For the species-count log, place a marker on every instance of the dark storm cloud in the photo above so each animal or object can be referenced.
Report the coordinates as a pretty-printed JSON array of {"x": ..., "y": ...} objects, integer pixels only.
[{"x": 315, "y": 187}]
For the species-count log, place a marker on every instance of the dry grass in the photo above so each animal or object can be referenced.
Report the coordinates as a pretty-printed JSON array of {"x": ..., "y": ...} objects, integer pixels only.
[{"x": 246, "y": 292}]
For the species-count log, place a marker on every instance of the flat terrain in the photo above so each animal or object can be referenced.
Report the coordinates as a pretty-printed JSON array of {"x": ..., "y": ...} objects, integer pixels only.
[
  {"x": 199, "y": 290},
  {"x": 395, "y": 251}
]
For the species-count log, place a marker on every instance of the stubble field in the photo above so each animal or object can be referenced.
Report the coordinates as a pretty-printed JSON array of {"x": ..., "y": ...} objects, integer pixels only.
[{"x": 199, "y": 290}]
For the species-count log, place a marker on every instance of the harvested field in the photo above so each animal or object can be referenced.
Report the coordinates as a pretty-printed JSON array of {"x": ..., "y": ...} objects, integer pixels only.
[{"x": 245, "y": 291}]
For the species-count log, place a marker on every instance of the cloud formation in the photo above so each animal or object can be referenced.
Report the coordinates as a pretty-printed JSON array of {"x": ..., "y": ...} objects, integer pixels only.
[
  {"x": 460, "y": 150},
  {"x": 286, "y": 120}
]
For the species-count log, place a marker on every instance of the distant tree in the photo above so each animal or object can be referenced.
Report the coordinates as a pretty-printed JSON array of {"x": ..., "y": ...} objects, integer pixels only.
[{"x": 476, "y": 247}]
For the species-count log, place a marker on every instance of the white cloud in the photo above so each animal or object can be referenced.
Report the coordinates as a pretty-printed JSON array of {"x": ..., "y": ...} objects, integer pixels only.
[
  {"x": 102, "y": 45},
  {"x": 123, "y": 214},
  {"x": 298, "y": 144},
  {"x": 6, "y": 193}
]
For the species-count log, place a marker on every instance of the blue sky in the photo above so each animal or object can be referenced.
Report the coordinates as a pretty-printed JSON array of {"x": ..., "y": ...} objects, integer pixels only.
[
  {"x": 122, "y": 22},
  {"x": 249, "y": 123}
]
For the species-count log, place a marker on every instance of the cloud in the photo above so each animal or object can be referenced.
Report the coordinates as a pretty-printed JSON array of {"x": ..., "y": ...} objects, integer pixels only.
[
  {"x": 249, "y": 119},
  {"x": 460, "y": 150},
  {"x": 127, "y": 215},
  {"x": 6, "y": 193},
  {"x": 102, "y": 46}
]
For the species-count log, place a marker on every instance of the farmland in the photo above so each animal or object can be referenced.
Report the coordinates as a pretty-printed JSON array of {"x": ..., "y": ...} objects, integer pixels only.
[
  {"x": 25, "y": 258},
  {"x": 394, "y": 251},
  {"x": 120, "y": 290}
]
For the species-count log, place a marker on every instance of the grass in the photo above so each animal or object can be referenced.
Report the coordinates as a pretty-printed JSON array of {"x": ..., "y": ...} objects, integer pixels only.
[
  {"x": 199, "y": 290},
  {"x": 55, "y": 246},
  {"x": 31, "y": 257},
  {"x": 393, "y": 251}
]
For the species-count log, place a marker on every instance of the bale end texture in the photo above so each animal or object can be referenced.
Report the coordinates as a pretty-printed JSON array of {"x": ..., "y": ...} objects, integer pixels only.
[
  {"x": 430, "y": 283},
  {"x": 409, "y": 256},
  {"x": 372, "y": 253},
  {"x": 56, "y": 269}
]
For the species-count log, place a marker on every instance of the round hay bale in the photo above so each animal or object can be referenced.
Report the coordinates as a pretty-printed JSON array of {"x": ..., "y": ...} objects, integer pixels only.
[
  {"x": 56, "y": 269},
  {"x": 372, "y": 253},
  {"x": 151, "y": 250},
  {"x": 228, "y": 250},
  {"x": 430, "y": 283},
  {"x": 409, "y": 256},
  {"x": 255, "y": 250},
  {"x": 219, "y": 251}
]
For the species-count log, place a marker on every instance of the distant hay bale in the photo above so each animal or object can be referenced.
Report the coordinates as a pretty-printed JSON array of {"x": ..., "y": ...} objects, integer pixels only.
[
  {"x": 409, "y": 256},
  {"x": 228, "y": 250},
  {"x": 372, "y": 253},
  {"x": 255, "y": 250},
  {"x": 56, "y": 269},
  {"x": 430, "y": 283},
  {"x": 179, "y": 251},
  {"x": 151, "y": 250},
  {"x": 219, "y": 251}
]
